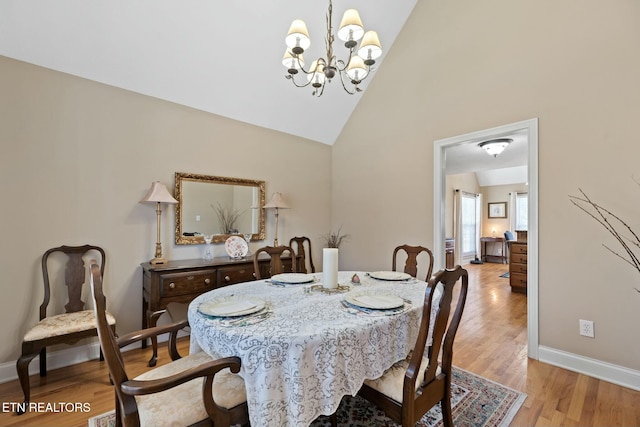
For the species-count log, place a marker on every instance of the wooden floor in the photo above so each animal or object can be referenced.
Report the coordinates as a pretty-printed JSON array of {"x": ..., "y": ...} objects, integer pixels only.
[{"x": 491, "y": 342}]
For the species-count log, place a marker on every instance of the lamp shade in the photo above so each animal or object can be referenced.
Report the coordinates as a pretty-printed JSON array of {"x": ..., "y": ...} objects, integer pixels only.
[
  {"x": 351, "y": 26},
  {"x": 370, "y": 47},
  {"x": 276, "y": 202},
  {"x": 158, "y": 193},
  {"x": 298, "y": 35},
  {"x": 316, "y": 73},
  {"x": 291, "y": 62},
  {"x": 356, "y": 70}
]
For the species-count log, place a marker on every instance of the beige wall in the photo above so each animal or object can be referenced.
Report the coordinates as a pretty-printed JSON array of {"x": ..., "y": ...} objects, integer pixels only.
[
  {"x": 477, "y": 65},
  {"x": 496, "y": 194},
  {"x": 77, "y": 156}
]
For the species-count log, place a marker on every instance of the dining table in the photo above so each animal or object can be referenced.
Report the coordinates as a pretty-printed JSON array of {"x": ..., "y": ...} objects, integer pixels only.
[{"x": 303, "y": 347}]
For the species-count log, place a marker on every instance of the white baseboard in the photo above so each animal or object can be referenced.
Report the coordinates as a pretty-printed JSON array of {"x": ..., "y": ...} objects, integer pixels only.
[
  {"x": 67, "y": 357},
  {"x": 595, "y": 368},
  {"x": 605, "y": 371}
]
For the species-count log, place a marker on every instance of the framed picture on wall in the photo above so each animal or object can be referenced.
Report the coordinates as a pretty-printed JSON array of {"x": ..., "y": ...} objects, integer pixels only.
[{"x": 498, "y": 210}]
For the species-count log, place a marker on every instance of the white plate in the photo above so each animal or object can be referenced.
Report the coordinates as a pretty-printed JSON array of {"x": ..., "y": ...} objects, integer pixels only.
[
  {"x": 231, "y": 307},
  {"x": 390, "y": 275},
  {"x": 292, "y": 278},
  {"x": 376, "y": 302},
  {"x": 236, "y": 247}
]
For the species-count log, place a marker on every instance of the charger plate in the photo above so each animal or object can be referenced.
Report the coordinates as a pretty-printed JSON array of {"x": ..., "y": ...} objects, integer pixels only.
[
  {"x": 390, "y": 275},
  {"x": 292, "y": 278},
  {"x": 231, "y": 307},
  {"x": 375, "y": 301}
]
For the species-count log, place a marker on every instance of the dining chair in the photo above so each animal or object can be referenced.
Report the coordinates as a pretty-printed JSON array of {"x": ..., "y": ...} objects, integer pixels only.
[
  {"x": 172, "y": 394},
  {"x": 66, "y": 327},
  {"x": 177, "y": 312},
  {"x": 302, "y": 255},
  {"x": 411, "y": 387},
  {"x": 276, "y": 265},
  {"x": 508, "y": 237},
  {"x": 411, "y": 263}
]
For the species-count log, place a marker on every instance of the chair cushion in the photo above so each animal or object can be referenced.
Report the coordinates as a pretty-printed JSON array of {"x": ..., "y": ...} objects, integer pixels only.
[
  {"x": 392, "y": 381},
  {"x": 182, "y": 405},
  {"x": 63, "y": 324}
]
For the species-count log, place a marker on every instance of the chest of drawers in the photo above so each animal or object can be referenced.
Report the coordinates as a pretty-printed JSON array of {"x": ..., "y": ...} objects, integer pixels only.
[{"x": 518, "y": 266}]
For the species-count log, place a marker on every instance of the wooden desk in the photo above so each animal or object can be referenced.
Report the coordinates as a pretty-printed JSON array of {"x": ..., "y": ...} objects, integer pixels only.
[{"x": 488, "y": 257}]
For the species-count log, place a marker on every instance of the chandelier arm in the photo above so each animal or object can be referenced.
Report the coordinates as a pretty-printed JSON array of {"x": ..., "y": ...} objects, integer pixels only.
[
  {"x": 345, "y": 86},
  {"x": 293, "y": 80}
]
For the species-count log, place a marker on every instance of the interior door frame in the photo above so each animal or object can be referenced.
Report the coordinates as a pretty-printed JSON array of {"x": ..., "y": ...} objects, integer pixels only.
[{"x": 439, "y": 181}]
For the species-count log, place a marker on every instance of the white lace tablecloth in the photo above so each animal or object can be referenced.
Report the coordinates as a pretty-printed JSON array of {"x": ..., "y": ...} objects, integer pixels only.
[{"x": 299, "y": 362}]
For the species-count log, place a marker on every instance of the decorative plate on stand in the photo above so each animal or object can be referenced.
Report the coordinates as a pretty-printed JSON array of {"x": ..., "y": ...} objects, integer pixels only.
[{"x": 236, "y": 247}]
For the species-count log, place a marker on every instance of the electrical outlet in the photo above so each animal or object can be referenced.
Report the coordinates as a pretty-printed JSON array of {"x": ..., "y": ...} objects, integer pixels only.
[{"x": 586, "y": 328}]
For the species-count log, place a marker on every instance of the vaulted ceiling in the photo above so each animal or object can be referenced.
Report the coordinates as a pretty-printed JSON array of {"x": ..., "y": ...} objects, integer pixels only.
[{"x": 220, "y": 57}]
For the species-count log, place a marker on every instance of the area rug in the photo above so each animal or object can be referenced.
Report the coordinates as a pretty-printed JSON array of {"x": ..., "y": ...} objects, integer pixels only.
[
  {"x": 505, "y": 275},
  {"x": 476, "y": 402}
]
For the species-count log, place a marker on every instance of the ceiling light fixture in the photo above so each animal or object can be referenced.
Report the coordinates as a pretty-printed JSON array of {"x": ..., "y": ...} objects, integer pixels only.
[
  {"x": 495, "y": 146},
  {"x": 352, "y": 71}
]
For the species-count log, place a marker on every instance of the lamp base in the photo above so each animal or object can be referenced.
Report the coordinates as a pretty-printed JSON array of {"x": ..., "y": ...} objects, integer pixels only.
[{"x": 157, "y": 261}]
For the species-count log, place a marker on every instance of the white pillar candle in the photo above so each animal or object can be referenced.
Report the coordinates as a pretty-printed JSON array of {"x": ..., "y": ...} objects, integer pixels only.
[{"x": 330, "y": 268}]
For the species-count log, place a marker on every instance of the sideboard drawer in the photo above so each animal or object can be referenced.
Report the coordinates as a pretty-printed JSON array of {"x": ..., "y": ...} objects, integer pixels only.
[
  {"x": 518, "y": 282},
  {"x": 192, "y": 282},
  {"x": 235, "y": 274},
  {"x": 518, "y": 248},
  {"x": 518, "y": 268},
  {"x": 518, "y": 258}
]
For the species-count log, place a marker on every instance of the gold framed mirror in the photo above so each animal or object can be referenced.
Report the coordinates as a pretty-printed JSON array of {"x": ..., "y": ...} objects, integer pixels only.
[{"x": 218, "y": 206}]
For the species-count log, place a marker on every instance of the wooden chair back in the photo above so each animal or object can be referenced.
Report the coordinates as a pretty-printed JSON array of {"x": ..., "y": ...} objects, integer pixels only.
[
  {"x": 435, "y": 384},
  {"x": 302, "y": 254},
  {"x": 111, "y": 350},
  {"x": 74, "y": 327},
  {"x": 75, "y": 275},
  {"x": 276, "y": 265},
  {"x": 411, "y": 263},
  {"x": 127, "y": 413}
]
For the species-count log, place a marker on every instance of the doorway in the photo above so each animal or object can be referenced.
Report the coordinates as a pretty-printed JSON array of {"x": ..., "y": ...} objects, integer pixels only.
[{"x": 530, "y": 129}]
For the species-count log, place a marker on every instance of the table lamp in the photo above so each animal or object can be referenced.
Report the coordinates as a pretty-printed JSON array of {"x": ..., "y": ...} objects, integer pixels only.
[
  {"x": 276, "y": 202},
  {"x": 158, "y": 194}
]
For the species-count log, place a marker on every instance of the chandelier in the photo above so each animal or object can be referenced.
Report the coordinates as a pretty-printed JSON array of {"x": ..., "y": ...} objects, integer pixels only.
[
  {"x": 351, "y": 71},
  {"x": 495, "y": 146}
]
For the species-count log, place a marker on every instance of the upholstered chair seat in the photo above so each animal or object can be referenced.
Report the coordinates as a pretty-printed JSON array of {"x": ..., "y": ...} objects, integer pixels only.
[
  {"x": 65, "y": 324},
  {"x": 392, "y": 381},
  {"x": 159, "y": 409}
]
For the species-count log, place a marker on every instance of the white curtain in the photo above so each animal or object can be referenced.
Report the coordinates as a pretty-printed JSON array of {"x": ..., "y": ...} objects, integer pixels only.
[
  {"x": 512, "y": 212},
  {"x": 478, "y": 222},
  {"x": 457, "y": 226}
]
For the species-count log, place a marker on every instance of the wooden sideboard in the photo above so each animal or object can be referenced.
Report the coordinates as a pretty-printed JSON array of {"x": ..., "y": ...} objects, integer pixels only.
[
  {"x": 518, "y": 266},
  {"x": 183, "y": 280}
]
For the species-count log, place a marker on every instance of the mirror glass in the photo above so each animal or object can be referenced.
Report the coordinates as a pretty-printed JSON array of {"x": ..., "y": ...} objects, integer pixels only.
[{"x": 218, "y": 206}]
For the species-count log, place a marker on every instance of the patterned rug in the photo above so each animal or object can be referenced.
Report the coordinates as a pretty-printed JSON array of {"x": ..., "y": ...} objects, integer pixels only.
[{"x": 476, "y": 402}]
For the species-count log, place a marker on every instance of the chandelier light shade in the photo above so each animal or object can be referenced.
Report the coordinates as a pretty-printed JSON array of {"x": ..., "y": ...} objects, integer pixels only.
[
  {"x": 158, "y": 194},
  {"x": 352, "y": 70},
  {"x": 495, "y": 146}
]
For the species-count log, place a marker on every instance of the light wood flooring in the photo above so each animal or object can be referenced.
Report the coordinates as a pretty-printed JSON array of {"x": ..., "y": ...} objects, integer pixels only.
[{"x": 491, "y": 342}]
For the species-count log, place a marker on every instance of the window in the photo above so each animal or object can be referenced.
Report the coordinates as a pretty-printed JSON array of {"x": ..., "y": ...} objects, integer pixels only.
[
  {"x": 469, "y": 225},
  {"x": 522, "y": 211}
]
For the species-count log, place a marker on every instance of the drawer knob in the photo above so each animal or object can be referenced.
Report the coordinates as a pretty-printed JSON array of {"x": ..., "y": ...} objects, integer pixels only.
[
  {"x": 207, "y": 281},
  {"x": 172, "y": 285},
  {"x": 227, "y": 278}
]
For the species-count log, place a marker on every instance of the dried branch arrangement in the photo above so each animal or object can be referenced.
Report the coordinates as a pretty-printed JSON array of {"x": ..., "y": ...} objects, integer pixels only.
[
  {"x": 628, "y": 239},
  {"x": 227, "y": 218},
  {"x": 334, "y": 239}
]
